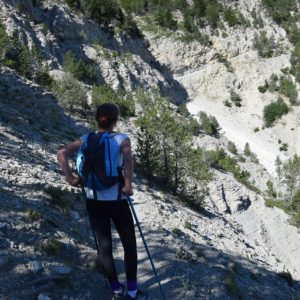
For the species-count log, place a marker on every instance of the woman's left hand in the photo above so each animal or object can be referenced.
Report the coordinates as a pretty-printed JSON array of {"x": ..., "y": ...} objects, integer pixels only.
[{"x": 127, "y": 190}]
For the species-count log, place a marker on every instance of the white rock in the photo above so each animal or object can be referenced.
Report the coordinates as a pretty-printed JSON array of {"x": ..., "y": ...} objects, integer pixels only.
[
  {"x": 61, "y": 269},
  {"x": 43, "y": 297},
  {"x": 4, "y": 259},
  {"x": 35, "y": 266},
  {"x": 74, "y": 214}
]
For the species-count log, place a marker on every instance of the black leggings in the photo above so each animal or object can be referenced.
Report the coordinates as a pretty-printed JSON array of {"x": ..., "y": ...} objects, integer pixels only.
[{"x": 100, "y": 213}]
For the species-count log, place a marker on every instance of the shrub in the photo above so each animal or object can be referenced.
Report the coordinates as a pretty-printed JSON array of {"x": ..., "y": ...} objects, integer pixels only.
[
  {"x": 269, "y": 203},
  {"x": 280, "y": 9},
  {"x": 231, "y": 286},
  {"x": 270, "y": 189},
  {"x": 288, "y": 89},
  {"x": 287, "y": 276},
  {"x": 70, "y": 93},
  {"x": 232, "y": 148},
  {"x": 102, "y": 11},
  {"x": 27, "y": 62},
  {"x": 226, "y": 62},
  {"x": 212, "y": 13},
  {"x": 235, "y": 98},
  {"x": 284, "y": 147},
  {"x": 57, "y": 197},
  {"x": 199, "y": 8},
  {"x": 247, "y": 150},
  {"x": 230, "y": 16},
  {"x": 164, "y": 18},
  {"x": 274, "y": 83},
  {"x": 295, "y": 205},
  {"x": 182, "y": 109},
  {"x": 209, "y": 124},
  {"x": 130, "y": 27},
  {"x": 220, "y": 160},
  {"x": 188, "y": 22},
  {"x": 263, "y": 88},
  {"x": 79, "y": 69},
  {"x": 264, "y": 45},
  {"x": 104, "y": 93},
  {"x": 73, "y": 3},
  {"x": 33, "y": 215},
  {"x": 52, "y": 247},
  {"x": 193, "y": 126},
  {"x": 227, "y": 103},
  {"x": 274, "y": 111},
  {"x": 257, "y": 20},
  {"x": 187, "y": 225}
]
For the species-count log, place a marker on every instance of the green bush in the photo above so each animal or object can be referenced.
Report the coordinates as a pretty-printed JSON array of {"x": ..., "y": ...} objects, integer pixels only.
[
  {"x": 235, "y": 98},
  {"x": 212, "y": 13},
  {"x": 232, "y": 148},
  {"x": 193, "y": 126},
  {"x": 57, "y": 197},
  {"x": 230, "y": 16},
  {"x": 274, "y": 83},
  {"x": 199, "y": 8},
  {"x": 70, "y": 93},
  {"x": 104, "y": 93},
  {"x": 269, "y": 203},
  {"x": 288, "y": 88},
  {"x": 208, "y": 124},
  {"x": 27, "y": 62},
  {"x": 264, "y": 45},
  {"x": 295, "y": 205},
  {"x": 280, "y": 10},
  {"x": 274, "y": 111},
  {"x": 263, "y": 88},
  {"x": 283, "y": 147},
  {"x": 182, "y": 109},
  {"x": 188, "y": 22},
  {"x": 102, "y": 11},
  {"x": 133, "y": 6},
  {"x": 270, "y": 189},
  {"x": 220, "y": 160},
  {"x": 222, "y": 59},
  {"x": 130, "y": 28},
  {"x": 79, "y": 69},
  {"x": 163, "y": 17},
  {"x": 52, "y": 247},
  {"x": 247, "y": 150}
]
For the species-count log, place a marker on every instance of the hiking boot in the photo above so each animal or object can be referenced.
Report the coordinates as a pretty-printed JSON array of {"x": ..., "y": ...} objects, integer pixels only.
[
  {"x": 117, "y": 295},
  {"x": 141, "y": 295}
]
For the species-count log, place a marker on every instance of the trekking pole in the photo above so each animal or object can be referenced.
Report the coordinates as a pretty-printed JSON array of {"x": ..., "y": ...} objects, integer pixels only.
[
  {"x": 97, "y": 247},
  {"x": 146, "y": 247}
]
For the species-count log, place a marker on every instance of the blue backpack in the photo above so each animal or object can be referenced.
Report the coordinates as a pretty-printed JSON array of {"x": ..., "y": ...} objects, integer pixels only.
[{"x": 96, "y": 163}]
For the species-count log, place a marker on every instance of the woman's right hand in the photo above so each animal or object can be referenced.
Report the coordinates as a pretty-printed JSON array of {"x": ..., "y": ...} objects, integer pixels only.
[
  {"x": 127, "y": 190},
  {"x": 74, "y": 181}
]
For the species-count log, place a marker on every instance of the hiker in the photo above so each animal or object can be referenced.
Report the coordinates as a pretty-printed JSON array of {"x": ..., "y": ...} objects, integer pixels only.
[{"x": 110, "y": 203}]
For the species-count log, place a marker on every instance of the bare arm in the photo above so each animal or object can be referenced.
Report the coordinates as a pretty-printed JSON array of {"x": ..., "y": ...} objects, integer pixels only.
[
  {"x": 128, "y": 167},
  {"x": 62, "y": 156}
]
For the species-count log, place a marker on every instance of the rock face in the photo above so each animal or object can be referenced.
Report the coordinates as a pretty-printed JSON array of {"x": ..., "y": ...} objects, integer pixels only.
[{"x": 122, "y": 62}]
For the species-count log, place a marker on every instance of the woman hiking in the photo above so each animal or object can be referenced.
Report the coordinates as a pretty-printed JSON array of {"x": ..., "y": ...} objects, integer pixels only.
[{"x": 110, "y": 203}]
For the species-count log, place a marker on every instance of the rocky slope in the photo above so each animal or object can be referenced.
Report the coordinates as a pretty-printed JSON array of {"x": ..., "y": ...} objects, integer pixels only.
[{"x": 204, "y": 255}]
